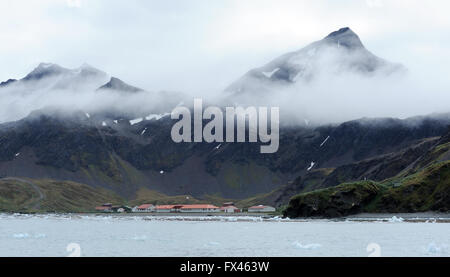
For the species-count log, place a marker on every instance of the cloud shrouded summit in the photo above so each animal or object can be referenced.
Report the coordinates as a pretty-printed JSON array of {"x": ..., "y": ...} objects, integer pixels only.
[{"x": 340, "y": 52}]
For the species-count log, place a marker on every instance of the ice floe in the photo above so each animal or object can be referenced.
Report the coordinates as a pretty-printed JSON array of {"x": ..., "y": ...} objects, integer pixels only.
[
  {"x": 309, "y": 246},
  {"x": 395, "y": 219}
]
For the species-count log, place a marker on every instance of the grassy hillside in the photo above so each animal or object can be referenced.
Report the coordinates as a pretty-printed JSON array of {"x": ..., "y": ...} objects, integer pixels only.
[
  {"x": 52, "y": 196},
  {"x": 426, "y": 190}
]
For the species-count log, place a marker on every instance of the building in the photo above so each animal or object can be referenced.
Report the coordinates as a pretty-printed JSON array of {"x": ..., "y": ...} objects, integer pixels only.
[
  {"x": 199, "y": 208},
  {"x": 145, "y": 208},
  {"x": 230, "y": 209},
  {"x": 261, "y": 209},
  {"x": 164, "y": 208},
  {"x": 107, "y": 207},
  {"x": 121, "y": 209}
]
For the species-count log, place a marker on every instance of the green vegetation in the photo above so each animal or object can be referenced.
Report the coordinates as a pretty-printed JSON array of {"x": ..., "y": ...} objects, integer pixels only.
[
  {"x": 426, "y": 190},
  {"x": 57, "y": 196},
  {"x": 17, "y": 196},
  {"x": 333, "y": 202}
]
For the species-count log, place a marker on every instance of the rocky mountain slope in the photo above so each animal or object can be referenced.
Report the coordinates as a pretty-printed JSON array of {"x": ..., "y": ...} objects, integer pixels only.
[
  {"x": 424, "y": 185},
  {"x": 124, "y": 155}
]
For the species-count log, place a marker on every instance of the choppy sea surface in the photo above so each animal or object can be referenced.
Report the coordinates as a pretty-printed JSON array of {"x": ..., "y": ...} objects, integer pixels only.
[{"x": 99, "y": 235}]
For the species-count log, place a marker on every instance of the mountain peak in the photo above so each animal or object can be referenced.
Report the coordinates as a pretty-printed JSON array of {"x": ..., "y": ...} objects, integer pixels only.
[
  {"x": 340, "y": 51},
  {"x": 341, "y": 31},
  {"x": 45, "y": 69},
  {"x": 119, "y": 85},
  {"x": 88, "y": 70},
  {"x": 344, "y": 37}
]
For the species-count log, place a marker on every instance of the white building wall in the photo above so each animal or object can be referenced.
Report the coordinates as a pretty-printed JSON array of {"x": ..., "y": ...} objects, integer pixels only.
[
  {"x": 263, "y": 210},
  {"x": 163, "y": 210},
  {"x": 200, "y": 210}
]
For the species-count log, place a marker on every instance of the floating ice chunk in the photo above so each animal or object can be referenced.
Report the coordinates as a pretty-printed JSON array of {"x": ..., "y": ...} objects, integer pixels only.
[
  {"x": 136, "y": 121},
  {"x": 21, "y": 236},
  {"x": 139, "y": 238},
  {"x": 396, "y": 219},
  {"x": 212, "y": 243},
  {"x": 269, "y": 74},
  {"x": 311, "y": 166},
  {"x": 310, "y": 246},
  {"x": 324, "y": 141},
  {"x": 433, "y": 248}
]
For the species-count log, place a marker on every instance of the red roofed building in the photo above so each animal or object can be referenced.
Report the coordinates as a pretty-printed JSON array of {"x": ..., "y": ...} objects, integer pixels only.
[
  {"x": 107, "y": 207},
  {"x": 164, "y": 208},
  {"x": 199, "y": 208},
  {"x": 103, "y": 209}
]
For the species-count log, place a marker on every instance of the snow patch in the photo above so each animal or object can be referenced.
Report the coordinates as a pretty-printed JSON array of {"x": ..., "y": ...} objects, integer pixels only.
[
  {"x": 143, "y": 132},
  {"x": 104, "y": 124},
  {"x": 324, "y": 141},
  {"x": 156, "y": 116},
  {"x": 136, "y": 121},
  {"x": 17, "y": 154},
  {"x": 311, "y": 166},
  {"x": 88, "y": 115},
  {"x": 161, "y": 172},
  {"x": 269, "y": 74}
]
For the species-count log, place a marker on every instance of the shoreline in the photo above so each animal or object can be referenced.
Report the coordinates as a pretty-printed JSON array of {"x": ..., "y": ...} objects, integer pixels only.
[{"x": 427, "y": 217}]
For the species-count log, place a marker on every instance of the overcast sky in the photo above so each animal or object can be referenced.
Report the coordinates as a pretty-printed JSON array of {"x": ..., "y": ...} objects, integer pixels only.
[{"x": 201, "y": 45}]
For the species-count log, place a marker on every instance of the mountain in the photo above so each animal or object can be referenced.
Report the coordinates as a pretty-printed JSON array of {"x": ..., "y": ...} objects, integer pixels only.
[
  {"x": 125, "y": 155},
  {"x": 340, "y": 52},
  {"x": 7, "y": 82},
  {"x": 116, "y": 84},
  {"x": 51, "y": 85},
  {"x": 49, "y": 76},
  {"x": 124, "y": 151},
  {"x": 423, "y": 185}
]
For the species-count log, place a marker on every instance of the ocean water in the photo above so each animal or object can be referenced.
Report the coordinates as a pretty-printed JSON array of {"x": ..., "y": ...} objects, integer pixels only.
[{"x": 74, "y": 235}]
